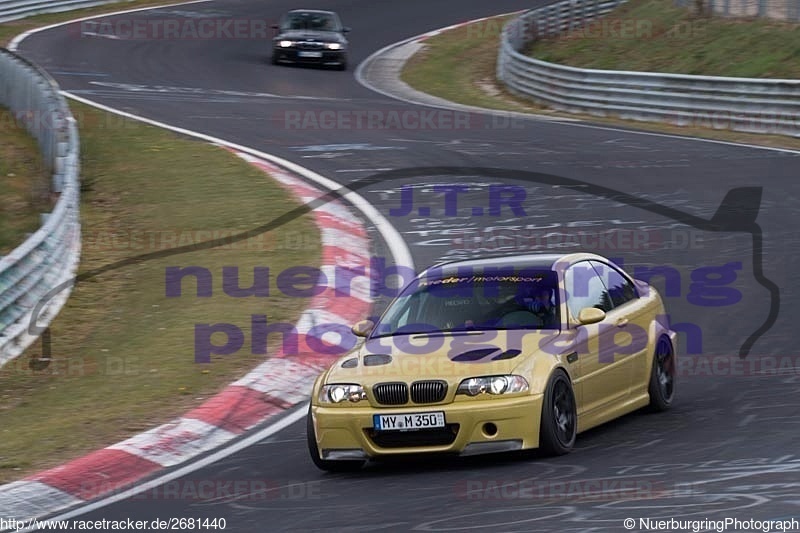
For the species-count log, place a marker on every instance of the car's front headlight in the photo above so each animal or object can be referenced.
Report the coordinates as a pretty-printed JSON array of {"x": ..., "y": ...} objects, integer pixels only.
[
  {"x": 492, "y": 385},
  {"x": 285, "y": 43},
  {"x": 333, "y": 46},
  {"x": 342, "y": 392}
]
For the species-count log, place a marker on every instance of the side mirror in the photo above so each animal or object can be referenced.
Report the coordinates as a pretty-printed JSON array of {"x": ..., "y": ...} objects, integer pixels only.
[
  {"x": 362, "y": 328},
  {"x": 346, "y": 29},
  {"x": 591, "y": 315}
]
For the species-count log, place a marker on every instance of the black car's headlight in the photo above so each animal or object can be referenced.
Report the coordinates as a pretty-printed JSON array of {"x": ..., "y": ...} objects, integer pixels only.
[
  {"x": 334, "y": 46},
  {"x": 342, "y": 392},
  {"x": 493, "y": 385},
  {"x": 285, "y": 43}
]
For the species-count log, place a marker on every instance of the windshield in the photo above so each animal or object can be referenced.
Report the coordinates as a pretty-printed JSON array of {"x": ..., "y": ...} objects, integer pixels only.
[
  {"x": 518, "y": 301},
  {"x": 302, "y": 20}
]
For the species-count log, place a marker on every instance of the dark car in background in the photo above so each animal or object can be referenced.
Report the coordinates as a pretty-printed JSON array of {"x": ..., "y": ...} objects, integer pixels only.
[{"x": 310, "y": 36}]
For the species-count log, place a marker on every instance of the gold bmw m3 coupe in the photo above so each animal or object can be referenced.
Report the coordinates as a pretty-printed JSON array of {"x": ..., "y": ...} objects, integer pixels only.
[{"x": 495, "y": 354}]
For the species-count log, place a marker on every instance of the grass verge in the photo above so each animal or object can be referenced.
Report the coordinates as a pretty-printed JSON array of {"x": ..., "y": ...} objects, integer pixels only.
[
  {"x": 123, "y": 352},
  {"x": 460, "y": 65},
  {"x": 24, "y": 184},
  {"x": 657, "y": 36}
]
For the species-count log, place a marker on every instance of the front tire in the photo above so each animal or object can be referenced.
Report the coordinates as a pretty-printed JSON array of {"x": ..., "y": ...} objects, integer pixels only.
[
  {"x": 662, "y": 376},
  {"x": 559, "y": 423},
  {"x": 322, "y": 464}
]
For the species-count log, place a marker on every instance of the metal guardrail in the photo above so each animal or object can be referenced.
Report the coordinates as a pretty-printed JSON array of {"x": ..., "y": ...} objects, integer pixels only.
[
  {"x": 742, "y": 104},
  {"x": 49, "y": 257},
  {"x": 18, "y": 9}
]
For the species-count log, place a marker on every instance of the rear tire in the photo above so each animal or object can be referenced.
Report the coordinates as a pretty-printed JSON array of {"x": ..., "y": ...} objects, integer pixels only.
[
  {"x": 322, "y": 464},
  {"x": 662, "y": 377},
  {"x": 559, "y": 423}
]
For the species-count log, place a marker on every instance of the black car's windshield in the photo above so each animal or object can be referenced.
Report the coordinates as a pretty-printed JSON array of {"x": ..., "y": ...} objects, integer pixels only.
[
  {"x": 527, "y": 300},
  {"x": 309, "y": 20}
]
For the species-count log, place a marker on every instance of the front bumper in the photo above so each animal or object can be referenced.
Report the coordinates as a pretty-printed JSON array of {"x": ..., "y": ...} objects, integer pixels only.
[
  {"x": 328, "y": 57},
  {"x": 347, "y": 432}
]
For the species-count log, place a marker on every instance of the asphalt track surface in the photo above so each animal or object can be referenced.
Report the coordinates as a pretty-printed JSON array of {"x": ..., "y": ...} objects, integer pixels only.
[{"x": 726, "y": 450}]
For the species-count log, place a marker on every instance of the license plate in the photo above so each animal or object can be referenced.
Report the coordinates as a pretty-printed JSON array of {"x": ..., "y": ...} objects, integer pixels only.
[
  {"x": 309, "y": 54},
  {"x": 408, "y": 421}
]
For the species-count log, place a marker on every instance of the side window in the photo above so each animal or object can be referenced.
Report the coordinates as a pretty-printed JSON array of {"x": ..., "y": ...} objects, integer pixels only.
[
  {"x": 620, "y": 289},
  {"x": 585, "y": 289}
]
